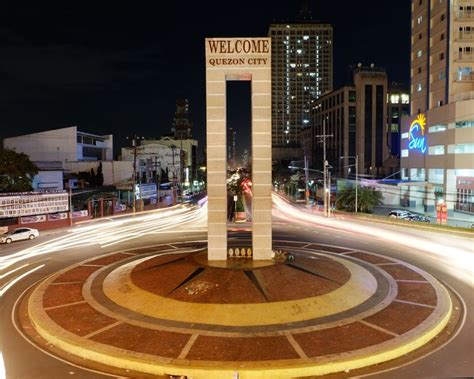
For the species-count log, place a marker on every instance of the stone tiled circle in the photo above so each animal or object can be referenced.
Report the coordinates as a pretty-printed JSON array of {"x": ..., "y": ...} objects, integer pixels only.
[{"x": 160, "y": 310}]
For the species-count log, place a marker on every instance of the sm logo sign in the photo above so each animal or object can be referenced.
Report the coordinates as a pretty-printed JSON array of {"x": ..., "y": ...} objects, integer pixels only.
[{"x": 416, "y": 135}]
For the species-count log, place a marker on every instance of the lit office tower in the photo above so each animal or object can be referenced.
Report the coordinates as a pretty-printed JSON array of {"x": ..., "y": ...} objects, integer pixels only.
[
  {"x": 437, "y": 141},
  {"x": 302, "y": 70}
]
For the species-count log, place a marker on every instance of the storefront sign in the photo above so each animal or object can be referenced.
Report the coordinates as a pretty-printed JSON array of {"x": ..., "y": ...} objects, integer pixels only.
[
  {"x": 416, "y": 135},
  {"x": 32, "y": 219},
  {"x": 33, "y": 203}
]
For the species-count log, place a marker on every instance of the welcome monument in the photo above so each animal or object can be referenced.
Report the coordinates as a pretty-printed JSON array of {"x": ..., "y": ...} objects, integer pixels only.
[{"x": 239, "y": 59}]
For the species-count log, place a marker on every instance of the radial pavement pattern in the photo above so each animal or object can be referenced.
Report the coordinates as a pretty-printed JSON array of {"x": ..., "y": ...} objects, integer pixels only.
[{"x": 166, "y": 309}]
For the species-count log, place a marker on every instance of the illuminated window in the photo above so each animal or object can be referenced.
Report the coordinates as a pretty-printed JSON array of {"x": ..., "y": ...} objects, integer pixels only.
[
  {"x": 437, "y": 128},
  {"x": 419, "y": 87},
  {"x": 419, "y": 20},
  {"x": 404, "y": 135},
  {"x": 465, "y": 124},
  {"x": 436, "y": 175},
  {"x": 405, "y": 98},
  {"x": 404, "y": 153},
  {"x": 436, "y": 150},
  {"x": 394, "y": 99},
  {"x": 462, "y": 148},
  {"x": 419, "y": 53}
]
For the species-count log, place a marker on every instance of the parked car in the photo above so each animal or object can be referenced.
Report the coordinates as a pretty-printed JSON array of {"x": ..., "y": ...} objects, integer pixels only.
[
  {"x": 19, "y": 234},
  {"x": 396, "y": 213},
  {"x": 420, "y": 218}
]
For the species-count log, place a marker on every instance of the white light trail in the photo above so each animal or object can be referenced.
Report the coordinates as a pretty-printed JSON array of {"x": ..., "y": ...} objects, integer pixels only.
[
  {"x": 458, "y": 261},
  {"x": 3, "y": 374},
  {"x": 6, "y": 287},
  {"x": 115, "y": 231}
]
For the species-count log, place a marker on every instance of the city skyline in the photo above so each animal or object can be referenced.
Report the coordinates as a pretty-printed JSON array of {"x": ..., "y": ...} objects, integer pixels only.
[{"x": 120, "y": 70}]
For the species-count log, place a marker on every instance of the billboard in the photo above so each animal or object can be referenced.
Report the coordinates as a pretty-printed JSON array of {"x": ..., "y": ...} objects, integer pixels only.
[{"x": 33, "y": 203}]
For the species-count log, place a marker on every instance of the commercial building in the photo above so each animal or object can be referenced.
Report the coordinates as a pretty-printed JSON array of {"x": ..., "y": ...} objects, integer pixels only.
[
  {"x": 302, "y": 70},
  {"x": 358, "y": 120},
  {"x": 64, "y": 145},
  {"x": 155, "y": 161},
  {"x": 437, "y": 145}
]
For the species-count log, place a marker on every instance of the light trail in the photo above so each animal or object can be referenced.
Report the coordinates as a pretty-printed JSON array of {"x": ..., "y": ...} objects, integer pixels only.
[
  {"x": 113, "y": 232},
  {"x": 3, "y": 375},
  {"x": 457, "y": 260},
  {"x": 6, "y": 287}
]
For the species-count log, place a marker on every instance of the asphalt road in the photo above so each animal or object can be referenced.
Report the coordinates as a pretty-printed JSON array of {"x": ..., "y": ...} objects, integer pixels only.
[{"x": 449, "y": 258}]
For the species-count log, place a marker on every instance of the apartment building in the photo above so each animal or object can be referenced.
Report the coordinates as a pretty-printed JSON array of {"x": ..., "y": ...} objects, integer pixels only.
[{"x": 437, "y": 142}]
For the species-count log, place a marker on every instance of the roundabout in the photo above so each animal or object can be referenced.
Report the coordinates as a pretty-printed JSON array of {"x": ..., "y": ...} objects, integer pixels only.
[{"x": 165, "y": 309}]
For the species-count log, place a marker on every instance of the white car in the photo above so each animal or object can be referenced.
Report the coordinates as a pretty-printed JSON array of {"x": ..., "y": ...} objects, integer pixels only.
[
  {"x": 19, "y": 234},
  {"x": 399, "y": 214}
]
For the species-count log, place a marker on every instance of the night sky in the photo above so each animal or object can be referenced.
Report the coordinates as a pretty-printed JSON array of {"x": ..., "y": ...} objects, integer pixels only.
[{"x": 118, "y": 67}]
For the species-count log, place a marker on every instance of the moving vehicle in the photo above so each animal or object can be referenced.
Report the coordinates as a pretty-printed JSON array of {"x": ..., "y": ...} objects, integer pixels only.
[
  {"x": 420, "y": 218},
  {"x": 396, "y": 213},
  {"x": 19, "y": 234}
]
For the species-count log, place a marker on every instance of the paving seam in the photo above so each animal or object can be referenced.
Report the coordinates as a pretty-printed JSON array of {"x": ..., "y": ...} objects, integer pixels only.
[
  {"x": 296, "y": 346},
  {"x": 414, "y": 303},
  {"x": 188, "y": 346},
  {"x": 65, "y": 305},
  {"x": 380, "y": 329},
  {"x": 95, "y": 332}
]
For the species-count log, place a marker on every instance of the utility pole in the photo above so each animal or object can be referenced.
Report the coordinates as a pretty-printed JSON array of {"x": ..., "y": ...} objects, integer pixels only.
[
  {"x": 157, "y": 181},
  {"x": 173, "y": 147},
  {"x": 322, "y": 138},
  {"x": 135, "y": 146}
]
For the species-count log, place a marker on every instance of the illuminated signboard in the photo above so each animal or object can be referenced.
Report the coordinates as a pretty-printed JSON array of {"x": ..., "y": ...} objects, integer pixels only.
[
  {"x": 33, "y": 203},
  {"x": 416, "y": 135}
]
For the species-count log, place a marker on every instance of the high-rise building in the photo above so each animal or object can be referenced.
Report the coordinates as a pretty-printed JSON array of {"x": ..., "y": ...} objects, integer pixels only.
[
  {"x": 398, "y": 106},
  {"x": 302, "y": 70},
  {"x": 182, "y": 125},
  {"x": 231, "y": 148},
  {"x": 437, "y": 142},
  {"x": 355, "y": 117}
]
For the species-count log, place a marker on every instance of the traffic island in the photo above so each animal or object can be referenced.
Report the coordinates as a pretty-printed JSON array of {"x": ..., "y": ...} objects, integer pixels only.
[{"x": 168, "y": 310}]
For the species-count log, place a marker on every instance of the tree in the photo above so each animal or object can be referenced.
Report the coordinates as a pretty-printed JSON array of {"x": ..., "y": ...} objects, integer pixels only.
[
  {"x": 16, "y": 171},
  {"x": 92, "y": 178},
  {"x": 100, "y": 176},
  {"x": 367, "y": 198}
]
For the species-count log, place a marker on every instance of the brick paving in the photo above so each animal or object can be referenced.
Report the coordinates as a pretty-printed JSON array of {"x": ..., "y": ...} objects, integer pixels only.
[{"x": 60, "y": 305}]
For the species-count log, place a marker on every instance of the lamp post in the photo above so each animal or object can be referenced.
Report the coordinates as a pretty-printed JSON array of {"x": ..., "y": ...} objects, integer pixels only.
[{"x": 356, "y": 157}]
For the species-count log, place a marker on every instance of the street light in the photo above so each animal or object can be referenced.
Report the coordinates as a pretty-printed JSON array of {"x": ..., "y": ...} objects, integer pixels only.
[{"x": 356, "y": 157}]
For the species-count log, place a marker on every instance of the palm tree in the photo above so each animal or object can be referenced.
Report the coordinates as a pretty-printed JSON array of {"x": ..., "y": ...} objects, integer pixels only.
[{"x": 367, "y": 199}]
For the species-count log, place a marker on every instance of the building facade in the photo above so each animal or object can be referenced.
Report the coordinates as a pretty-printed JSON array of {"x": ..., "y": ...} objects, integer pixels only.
[
  {"x": 64, "y": 145},
  {"x": 437, "y": 145},
  {"x": 357, "y": 120},
  {"x": 185, "y": 157},
  {"x": 154, "y": 161},
  {"x": 302, "y": 70}
]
